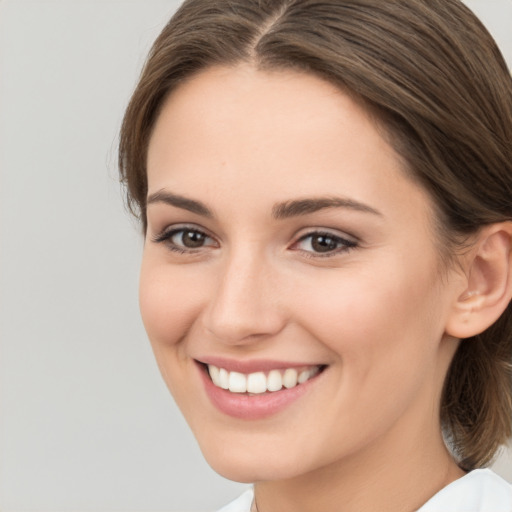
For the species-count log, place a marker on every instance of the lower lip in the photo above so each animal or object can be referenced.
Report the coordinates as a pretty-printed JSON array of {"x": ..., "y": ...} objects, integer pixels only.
[{"x": 255, "y": 407}]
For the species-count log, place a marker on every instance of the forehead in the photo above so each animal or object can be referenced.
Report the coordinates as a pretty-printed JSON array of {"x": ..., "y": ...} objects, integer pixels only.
[{"x": 271, "y": 135}]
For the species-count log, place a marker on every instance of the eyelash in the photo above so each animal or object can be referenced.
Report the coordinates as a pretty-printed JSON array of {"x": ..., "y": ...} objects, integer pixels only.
[
  {"x": 344, "y": 245},
  {"x": 167, "y": 235}
]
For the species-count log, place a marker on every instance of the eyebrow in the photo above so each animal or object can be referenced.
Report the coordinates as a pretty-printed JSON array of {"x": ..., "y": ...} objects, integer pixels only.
[
  {"x": 182, "y": 202},
  {"x": 285, "y": 210},
  {"x": 310, "y": 205}
]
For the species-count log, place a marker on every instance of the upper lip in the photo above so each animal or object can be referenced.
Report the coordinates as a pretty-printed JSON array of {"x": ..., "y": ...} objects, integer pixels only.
[{"x": 253, "y": 366}]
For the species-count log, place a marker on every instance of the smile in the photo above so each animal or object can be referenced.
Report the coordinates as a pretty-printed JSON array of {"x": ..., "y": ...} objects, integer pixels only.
[
  {"x": 261, "y": 382},
  {"x": 257, "y": 389}
]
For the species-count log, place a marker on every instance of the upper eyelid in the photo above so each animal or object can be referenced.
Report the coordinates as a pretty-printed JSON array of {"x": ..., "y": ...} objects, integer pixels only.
[
  {"x": 335, "y": 233},
  {"x": 339, "y": 238},
  {"x": 176, "y": 228}
]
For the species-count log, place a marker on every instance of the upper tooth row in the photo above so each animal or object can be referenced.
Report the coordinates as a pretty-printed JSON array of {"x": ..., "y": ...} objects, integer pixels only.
[{"x": 259, "y": 382}]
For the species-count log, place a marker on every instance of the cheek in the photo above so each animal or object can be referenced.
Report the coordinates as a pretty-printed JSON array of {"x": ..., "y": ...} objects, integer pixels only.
[
  {"x": 385, "y": 348},
  {"x": 375, "y": 321},
  {"x": 168, "y": 302}
]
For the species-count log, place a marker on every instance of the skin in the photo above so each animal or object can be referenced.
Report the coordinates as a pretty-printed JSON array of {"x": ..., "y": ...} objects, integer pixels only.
[{"x": 240, "y": 140}]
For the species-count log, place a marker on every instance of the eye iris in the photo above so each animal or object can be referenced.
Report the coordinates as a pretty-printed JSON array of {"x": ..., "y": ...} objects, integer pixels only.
[
  {"x": 192, "y": 239},
  {"x": 322, "y": 243}
]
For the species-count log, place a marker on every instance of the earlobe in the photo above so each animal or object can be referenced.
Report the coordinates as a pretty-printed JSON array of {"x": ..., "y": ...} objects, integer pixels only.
[{"x": 488, "y": 286}]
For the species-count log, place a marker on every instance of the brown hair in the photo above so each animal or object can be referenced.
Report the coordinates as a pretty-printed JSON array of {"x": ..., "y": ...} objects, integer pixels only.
[{"x": 432, "y": 75}]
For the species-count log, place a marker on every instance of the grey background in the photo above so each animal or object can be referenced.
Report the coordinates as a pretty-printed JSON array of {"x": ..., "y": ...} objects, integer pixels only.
[{"x": 86, "y": 423}]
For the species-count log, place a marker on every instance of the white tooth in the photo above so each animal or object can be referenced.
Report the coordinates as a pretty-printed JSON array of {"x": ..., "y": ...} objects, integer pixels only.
[
  {"x": 214, "y": 374},
  {"x": 274, "y": 381},
  {"x": 304, "y": 375},
  {"x": 290, "y": 378},
  {"x": 237, "y": 382},
  {"x": 256, "y": 383},
  {"x": 223, "y": 378}
]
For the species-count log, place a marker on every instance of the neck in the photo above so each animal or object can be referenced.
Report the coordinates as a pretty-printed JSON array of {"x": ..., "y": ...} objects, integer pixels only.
[{"x": 405, "y": 471}]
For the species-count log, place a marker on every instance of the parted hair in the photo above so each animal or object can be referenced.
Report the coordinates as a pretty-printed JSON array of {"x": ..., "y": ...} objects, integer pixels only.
[{"x": 435, "y": 82}]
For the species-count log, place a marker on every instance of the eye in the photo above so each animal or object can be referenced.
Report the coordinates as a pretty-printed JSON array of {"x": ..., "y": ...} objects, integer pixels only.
[
  {"x": 185, "y": 239},
  {"x": 323, "y": 244}
]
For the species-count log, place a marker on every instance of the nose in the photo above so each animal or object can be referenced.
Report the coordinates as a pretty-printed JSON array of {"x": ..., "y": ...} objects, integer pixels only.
[{"x": 245, "y": 305}]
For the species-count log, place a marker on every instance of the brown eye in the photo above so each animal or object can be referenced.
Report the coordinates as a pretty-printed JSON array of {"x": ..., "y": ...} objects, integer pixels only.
[
  {"x": 185, "y": 239},
  {"x": 189, "y": 239},
  {"x": 324, "y": 244}
]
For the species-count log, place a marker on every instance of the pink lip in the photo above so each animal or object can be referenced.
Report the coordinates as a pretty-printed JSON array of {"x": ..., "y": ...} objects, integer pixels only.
[
  {"x": 253, "y": 407},
  {"x": 259, "y": 365}
]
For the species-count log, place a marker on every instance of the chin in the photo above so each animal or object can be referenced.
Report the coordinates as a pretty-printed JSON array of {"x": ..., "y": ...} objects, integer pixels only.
[
  {"x": 240, "y": 469},
  {"x": 248, "y": 464}
]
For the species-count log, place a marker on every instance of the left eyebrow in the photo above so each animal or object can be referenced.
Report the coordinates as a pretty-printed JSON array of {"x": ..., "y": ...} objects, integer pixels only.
[{"x": 310, "y": 205}]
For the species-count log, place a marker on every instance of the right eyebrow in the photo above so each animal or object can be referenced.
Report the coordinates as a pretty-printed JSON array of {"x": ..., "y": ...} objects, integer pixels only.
[{"x": 163, "y": 196}]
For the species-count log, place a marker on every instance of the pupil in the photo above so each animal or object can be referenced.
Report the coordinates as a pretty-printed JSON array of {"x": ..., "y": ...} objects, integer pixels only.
[
  {"x": 323, "y": 243},
  {"x": 193, "y": 239}
]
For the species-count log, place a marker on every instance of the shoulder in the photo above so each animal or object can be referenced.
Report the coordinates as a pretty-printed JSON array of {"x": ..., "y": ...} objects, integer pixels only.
[
  {"x": 481, "y": 490},
  {"x": 241, "y": 504}
]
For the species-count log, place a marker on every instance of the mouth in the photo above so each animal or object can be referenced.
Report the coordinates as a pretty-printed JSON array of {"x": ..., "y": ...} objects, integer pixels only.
[
  {"x": 259, "y": 383},
  {"x": 255, "y": 390}
]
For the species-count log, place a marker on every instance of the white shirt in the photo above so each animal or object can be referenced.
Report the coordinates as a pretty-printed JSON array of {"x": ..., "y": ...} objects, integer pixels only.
[{"x": 481, "y": 490}]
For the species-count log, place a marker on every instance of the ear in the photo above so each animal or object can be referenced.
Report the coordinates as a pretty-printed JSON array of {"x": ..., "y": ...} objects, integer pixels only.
[{"x": 488, "y": 283}]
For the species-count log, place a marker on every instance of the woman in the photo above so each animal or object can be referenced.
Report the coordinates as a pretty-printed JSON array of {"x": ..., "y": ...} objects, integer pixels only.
[{"x": 325, "y": 193}]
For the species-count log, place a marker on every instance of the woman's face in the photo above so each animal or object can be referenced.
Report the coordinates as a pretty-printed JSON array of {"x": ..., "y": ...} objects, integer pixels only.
[{"x": 286, "y": 243}]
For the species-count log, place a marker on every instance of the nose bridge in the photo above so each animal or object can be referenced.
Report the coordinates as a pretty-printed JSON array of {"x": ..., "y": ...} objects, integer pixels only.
[{"x": 244, "y": 304}]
